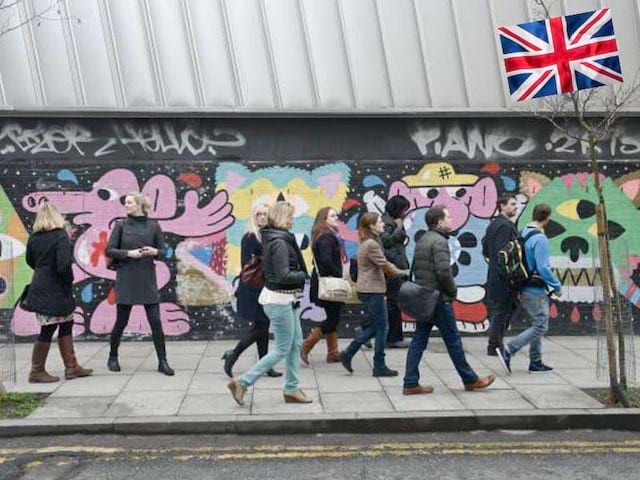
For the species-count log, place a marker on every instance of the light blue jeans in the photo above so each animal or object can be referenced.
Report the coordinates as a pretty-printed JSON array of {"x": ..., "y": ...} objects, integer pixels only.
[
  {"x": 288, "y": 340},
  {"x": 536, "y": 307}
]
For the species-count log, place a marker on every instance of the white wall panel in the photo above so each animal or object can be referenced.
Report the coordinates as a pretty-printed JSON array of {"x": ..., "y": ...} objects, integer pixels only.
[
  {"x": 403, "y": 53},
  {"x": 17, "y": 81},
  {"x": 481, "y": 65},
  {"x": 53, "y": 58},
  {"x": 441, "y": 50},
  {"x": 289, "y": 53},
  {"x": 627, "y": 27},
  {"x": 93, "y": 59},
  {"x": 251, "y": 54},
  {"x": 133, "y": 53},
  {"x": 366, "y": 54},
  {"x": 211, "y": 45},
  {"x": 173, "y": 53},
  {"x": 327, "y": 54}
]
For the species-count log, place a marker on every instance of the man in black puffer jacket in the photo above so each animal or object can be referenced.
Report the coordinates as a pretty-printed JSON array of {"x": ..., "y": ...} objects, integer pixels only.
[{"x": 432, "y": 269}]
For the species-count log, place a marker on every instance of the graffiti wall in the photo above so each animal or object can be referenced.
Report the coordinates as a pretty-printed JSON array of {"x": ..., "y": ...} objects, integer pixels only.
[{"x": 204, "y": 177}]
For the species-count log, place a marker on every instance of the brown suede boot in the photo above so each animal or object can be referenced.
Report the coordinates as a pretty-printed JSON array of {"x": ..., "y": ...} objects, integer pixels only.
[
  {"x": 38, "y": 360},
  {"x": 313, "y": 338},
  {"x": 296, "y": 397},
  {"x": 333, "y": 352},
  {"x": 71, "y": 367}
]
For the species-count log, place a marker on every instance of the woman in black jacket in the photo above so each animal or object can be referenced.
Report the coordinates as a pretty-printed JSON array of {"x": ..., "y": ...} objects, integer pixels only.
[
  {"x": 329, "y": 255},
  {"x": 285, "y": 275},
  {"x": 49, "y": 253},
  {"x": 134, "y": 244},
  {"x": 249, "y": 309},
  {"x": 394, "y": 240}
]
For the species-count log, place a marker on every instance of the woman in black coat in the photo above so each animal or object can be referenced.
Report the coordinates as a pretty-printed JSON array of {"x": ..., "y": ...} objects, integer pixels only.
[
  {"x": 134, "y": 244},
  {"x": 49, "y": 295},
  {"x": 249, "y": 309},
  {"x": 329, "y": 257}
]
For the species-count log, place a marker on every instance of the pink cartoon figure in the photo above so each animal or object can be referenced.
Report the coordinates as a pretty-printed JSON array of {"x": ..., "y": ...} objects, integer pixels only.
[{"x": 101, "y": 207}]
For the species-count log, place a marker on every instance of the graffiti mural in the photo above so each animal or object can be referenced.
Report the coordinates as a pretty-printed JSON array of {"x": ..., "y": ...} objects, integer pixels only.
[{"x": 205, "y": 176}]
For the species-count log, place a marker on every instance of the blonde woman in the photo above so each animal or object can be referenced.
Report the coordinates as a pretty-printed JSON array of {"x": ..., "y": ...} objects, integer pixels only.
[
  {"x": 134, "y": 244},
  {"x": 249, "y": 309},
  {"x": 285, "y": 275},
  {"x": 49, "y": 253}
]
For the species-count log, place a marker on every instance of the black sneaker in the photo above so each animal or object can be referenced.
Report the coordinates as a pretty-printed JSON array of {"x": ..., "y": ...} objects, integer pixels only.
[
  {"x": 384, "y": 372},
  {"x": 539, "y": 367},
  {"x": 505, "y": 359},
  {"x": 492, "y": 351},
  {"x": 345, "y": 360}
]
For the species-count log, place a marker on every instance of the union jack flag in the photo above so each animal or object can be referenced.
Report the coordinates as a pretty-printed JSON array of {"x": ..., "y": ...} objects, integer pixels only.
[{"x": 560, "y": 55}]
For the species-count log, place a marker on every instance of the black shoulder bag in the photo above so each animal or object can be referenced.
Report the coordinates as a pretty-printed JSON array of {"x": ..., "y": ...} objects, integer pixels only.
[{"x": 417, "y": 301}]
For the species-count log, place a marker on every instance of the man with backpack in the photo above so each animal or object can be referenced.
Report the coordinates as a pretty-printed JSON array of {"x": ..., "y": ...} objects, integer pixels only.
[
  {"x": 501, "y": 299},
  {"x": 534, "y": 301}
]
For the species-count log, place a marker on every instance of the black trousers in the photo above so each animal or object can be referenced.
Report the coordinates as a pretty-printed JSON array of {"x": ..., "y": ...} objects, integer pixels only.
[
  {"x": 500, "y": 313},
  {"x": 259, "y": 334},
  {"x": 332, "y": 309},
  {"x": 47, "y": 331},
  {"x": 395, "y": 321},
  {"x": 153, "y": 317}
]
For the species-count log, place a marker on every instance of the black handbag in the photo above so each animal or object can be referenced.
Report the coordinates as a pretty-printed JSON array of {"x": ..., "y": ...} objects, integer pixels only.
[
  {"x": 417, "y": 301},
  {"x": 110, "y": 262}
]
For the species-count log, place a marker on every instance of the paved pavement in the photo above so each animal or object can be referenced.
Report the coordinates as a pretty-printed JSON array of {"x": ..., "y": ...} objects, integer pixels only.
[{"x": 198, "y": 390}]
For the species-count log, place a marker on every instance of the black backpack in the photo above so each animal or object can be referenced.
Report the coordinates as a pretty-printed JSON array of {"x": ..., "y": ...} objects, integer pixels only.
[{"x": 512, "y": 264}]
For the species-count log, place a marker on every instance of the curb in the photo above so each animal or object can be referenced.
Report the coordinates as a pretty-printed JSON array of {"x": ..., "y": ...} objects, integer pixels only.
[{"x": 410, "y": 422}]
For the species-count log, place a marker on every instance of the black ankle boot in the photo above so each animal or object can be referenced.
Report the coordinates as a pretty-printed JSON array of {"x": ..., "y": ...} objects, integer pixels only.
[
  {"x": 112, "y": 364},
  {"x": 346, "y": 361},
  {"x": 229, "y": 358},
  {"x": 272, "y": 373},
  {"x": 384, "y": 372},
  {"x": 163, "y": 367}
]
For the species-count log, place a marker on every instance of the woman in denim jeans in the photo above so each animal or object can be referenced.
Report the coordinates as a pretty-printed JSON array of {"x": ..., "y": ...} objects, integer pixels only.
[
  {"x": 285, "y": 275},
  {"x": 372, "y": 288}
]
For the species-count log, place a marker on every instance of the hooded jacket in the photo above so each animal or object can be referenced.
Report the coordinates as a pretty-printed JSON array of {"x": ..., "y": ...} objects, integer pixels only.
[{"x": 282, "y": 262}]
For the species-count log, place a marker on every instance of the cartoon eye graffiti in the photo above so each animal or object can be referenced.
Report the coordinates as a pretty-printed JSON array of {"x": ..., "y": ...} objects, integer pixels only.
[
  {"x": 461, "y": 192},
  {"x": 615, "y": 230},
  {"x": 108, "y": 194},
  {"x": 432, "y": 193},
  {"x": 553, "y": 229},
  {"x": 577, "y": 209}
]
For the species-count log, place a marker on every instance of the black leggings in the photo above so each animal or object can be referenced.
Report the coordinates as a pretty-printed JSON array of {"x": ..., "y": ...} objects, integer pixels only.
[
  {"x": 258, "y": 334},
  {"x": 332, "y": 310},
  {"x": 153, "y": 317},
  {"x": 47, "y": 331}
]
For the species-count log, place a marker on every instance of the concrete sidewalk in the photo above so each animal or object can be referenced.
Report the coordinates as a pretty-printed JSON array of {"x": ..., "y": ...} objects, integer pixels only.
[{"x": 196, "y": 398}]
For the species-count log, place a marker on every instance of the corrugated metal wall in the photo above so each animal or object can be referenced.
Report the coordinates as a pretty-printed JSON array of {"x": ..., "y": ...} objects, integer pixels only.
[{"x": 272, "y": 55}]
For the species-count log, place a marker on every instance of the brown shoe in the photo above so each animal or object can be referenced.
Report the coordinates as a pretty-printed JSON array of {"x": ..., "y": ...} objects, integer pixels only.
[
  {"x": 297, "y": 397},
  {"x": 333, "y": 352},
  {"x": 71, "y": 368},
  {"x": 237, "y": 392},
  {"x": 314, "y": 337},
  {"x": 419, "y": 390},
  {"x": 38, "y": 360},
  {"x": 480, "y": 383}
]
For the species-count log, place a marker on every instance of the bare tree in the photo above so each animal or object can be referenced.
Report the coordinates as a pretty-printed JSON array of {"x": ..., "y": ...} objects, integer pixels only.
[
  {"x": 14, "y": 14},
  {"x": 590, "y": 117}
]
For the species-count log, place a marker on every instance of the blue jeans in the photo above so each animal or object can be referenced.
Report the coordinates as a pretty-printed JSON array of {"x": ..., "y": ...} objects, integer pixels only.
[
  {"x": 446, "y": 323},
  {"x": 536, "y": 307},
  {"x": 288, "y": 339},
  {"x": 375, "y": 305}
]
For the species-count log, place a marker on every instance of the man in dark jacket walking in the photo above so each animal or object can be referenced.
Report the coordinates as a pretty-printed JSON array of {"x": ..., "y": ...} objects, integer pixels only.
[
  {"x": 432, "y": 269},
  {"x": 394, "y": 240},
  {"x": 502, "y": 302}
]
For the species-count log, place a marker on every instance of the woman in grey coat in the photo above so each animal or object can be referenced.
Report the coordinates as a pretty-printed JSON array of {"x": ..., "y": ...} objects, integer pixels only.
[{"x": 134, "y": 244}]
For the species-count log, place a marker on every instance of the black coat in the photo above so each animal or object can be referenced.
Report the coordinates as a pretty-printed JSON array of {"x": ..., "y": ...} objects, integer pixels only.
[
  {"x": 136, "y": 282},
  {"x": 500, "y": 232},
  {"x": 248, "y": 306},
  {"x": 283, "y": 265},
  {"x": 394, "y": 240},
  {"x": 432, "y": 267},
  {"x": 326, "y": 251},
  {"x": 51, "y": 256}
]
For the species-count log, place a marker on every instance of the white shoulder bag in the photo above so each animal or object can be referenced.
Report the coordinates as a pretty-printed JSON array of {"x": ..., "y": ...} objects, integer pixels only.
[{"x": 331, "y": 289}]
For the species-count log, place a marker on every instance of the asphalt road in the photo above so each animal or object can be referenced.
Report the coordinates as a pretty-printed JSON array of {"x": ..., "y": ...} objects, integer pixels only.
[{"x": 471, "y": 456}]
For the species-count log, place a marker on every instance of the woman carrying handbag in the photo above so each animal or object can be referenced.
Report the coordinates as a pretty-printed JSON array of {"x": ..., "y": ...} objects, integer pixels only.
[
  {"x": 248, "y": 292},
  {"x": 329, "y": 259}
]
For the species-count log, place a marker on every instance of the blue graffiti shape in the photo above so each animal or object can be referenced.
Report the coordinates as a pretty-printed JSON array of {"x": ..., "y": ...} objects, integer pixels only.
[
  {"x": 87, "y": 293},
  {"x": 373, "y": 180},
  {"x": 65, "y": 175},
  {"x": 509, "y": 183}
]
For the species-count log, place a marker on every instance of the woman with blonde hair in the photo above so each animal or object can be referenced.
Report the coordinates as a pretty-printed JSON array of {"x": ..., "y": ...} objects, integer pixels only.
[
  {"x": 249, "y": 309},
  {"x": 49, "y": 296},
  {"x": 134, "y": 244},
  {"x": 372, "y": 287},
  {"x": 285, "y": 275}
]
